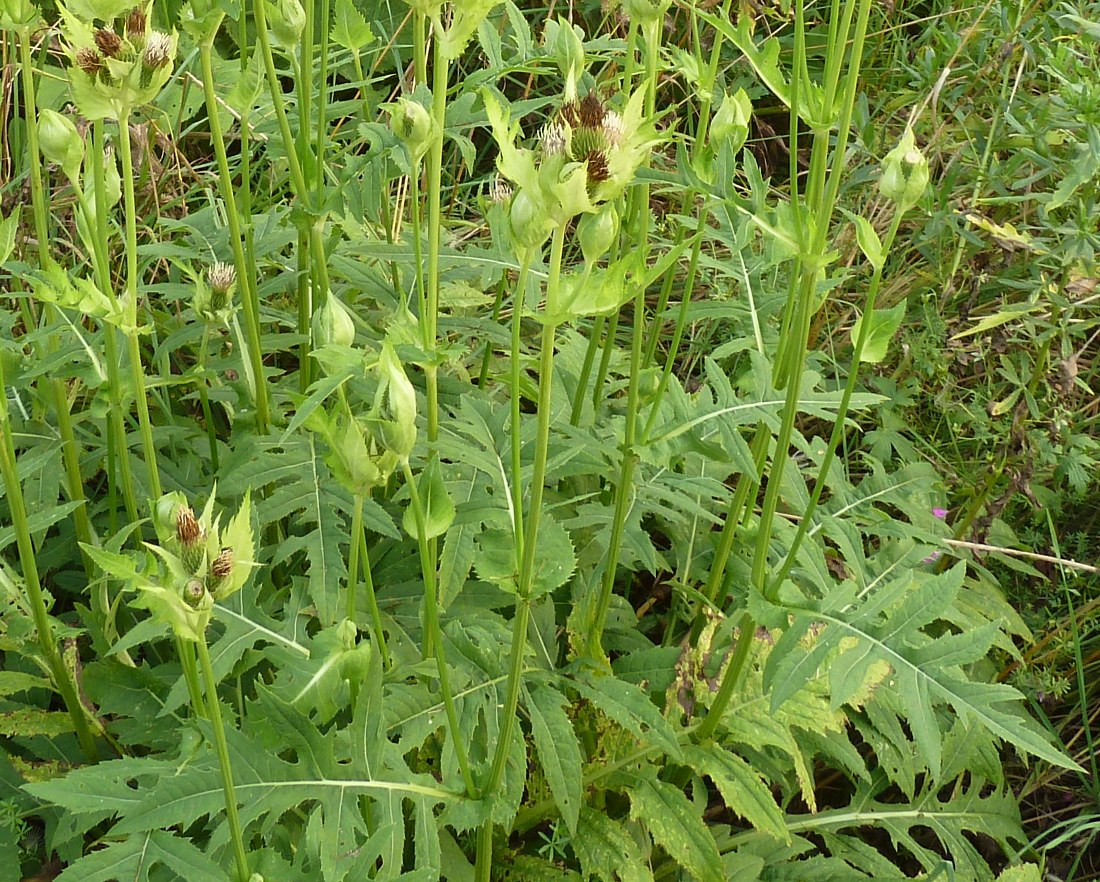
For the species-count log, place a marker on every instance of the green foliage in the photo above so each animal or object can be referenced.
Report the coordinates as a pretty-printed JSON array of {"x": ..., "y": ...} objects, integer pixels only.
[{"x": 649, "y": 538}]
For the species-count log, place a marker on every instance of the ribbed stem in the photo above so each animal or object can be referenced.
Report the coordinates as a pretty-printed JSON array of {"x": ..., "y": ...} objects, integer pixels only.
[{"x": 222, "y": 749}]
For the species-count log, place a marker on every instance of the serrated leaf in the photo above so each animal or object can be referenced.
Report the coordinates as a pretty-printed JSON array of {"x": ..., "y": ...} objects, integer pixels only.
[
  {"x": 134, "y": 858},
  {"x": 349, "y": 27},
  {"x": 676, "y": 826},
  {"x": 18, "y": 681},
  {"x": 27, "y": 722},
  {"x": 743, "y": 789},
  {"x": 554, "y": 558},
  {"x": 886, "y": 627},
  {"x": 607, "y": 851},
  {"x": 558, "y": 750},
  {"x": 631, "y": 708}
]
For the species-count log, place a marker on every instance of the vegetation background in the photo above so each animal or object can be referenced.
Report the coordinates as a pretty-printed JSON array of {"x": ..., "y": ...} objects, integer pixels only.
[{"x": 509, "y": 440}]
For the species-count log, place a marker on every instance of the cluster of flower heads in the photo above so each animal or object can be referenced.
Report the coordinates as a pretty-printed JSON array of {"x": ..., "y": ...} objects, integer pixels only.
[
  {"x": 586, "y": 155},
  {"x": 116, "y": 65},
  {"x": 200, "y": 562}
]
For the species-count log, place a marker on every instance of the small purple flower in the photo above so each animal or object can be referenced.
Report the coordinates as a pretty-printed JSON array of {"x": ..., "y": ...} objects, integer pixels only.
[{"x": 940, "y": 513}]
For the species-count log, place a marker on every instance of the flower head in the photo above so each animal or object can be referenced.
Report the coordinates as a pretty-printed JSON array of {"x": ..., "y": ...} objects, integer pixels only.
[
  {"x": 159, "y": 50},
  {"x": 197, "y": 559},
  {"x": 112, "y": 73}
]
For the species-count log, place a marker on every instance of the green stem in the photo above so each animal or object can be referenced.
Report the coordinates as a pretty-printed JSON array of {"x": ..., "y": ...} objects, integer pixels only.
[
  {"x": 586, "y": 371},
  {"x": 118, "y": 469},
  {"x": 865, "y": 325},
  {"x": 625, "y": 485},
  {"x": 809, "y": 268},
  {"x": 526, "y": 551},
  {"x": 809, "y": 271},
  {"x": 322, "y": 107},
  {"x": 516, "y": 426},
  {"x": 434, "y": 639},
  {"x": 487, "y": 351},
  {"x": 186, "y": 652},
  {"x": 353, "y": 557},
  {"x": 222, "y": 749},
  {"x": 542, "y": 437},
  {"x": 70, "y": 452},
  {"x": 418, "y": 252},
  {"x": 435, "y": 223},
  {"x": 27, "y": 558},
  {"x": 420, "y": 52},
  {"x": 484, "y": 860},
  {"x": 130, "y": 305},
  {"x": 730, "y": 679},
  {"x": 297, "y": 178},
  {"x": 245, "y": 276},
  {"x": 204, "y": 399},
  {"x": 372, "y": 600}
]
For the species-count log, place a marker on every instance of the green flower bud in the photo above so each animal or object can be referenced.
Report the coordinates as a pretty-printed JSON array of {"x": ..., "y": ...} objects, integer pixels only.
[
  {"x": 286, "y": 19},
  {"x": 597, "y": 232},
  {"x": 411, "y": 122},
  {"x": 904, "y": 173},
  {"x": 529, "y": 221},
  {"x": 429, "y": 8},
  {"x": 193, "y": 593},
  {"x": 60, "y": 142},
  {"x": 644, "y": 12},
  {"x": 351, "y": 460},
  {"x": 394, "y": 409},
  {"x": 333, "y": 323},
  {"x": 731, "y": 121}
]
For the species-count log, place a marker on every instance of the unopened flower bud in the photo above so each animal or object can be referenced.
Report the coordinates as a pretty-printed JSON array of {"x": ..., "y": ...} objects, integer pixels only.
[
  {"x": 597, "y": 232},
  {"x": 222, "y": 566},
  {"x": 395, "y": 405},
  {"x": 60, "y": 142},
  {"x": 644, "y": 12},
  {"x": 904, "y": 173},
  {"x": 108, "y": 42},
  {"x": 287, "y": 20},
  {"x": 412, "y": 123},
  {"x": 188, "y": 529},
  {"x": 164, "y": 516},
  {"x": 193, "y": 593},
  {"x": 333, "y": 323},
  {"x": 529, "y": 221},
  {"x": 731, "y": 121},
  {"x": 136, "y": 24}
]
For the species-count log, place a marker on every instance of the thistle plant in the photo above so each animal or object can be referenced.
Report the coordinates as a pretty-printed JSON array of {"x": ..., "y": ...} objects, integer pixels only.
[
  {"x": 194, "y": 563},
  {"x": 587, "y": 156},
  {"x": 111, "y": 74},
  {"x": 213, "y": 303}
]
